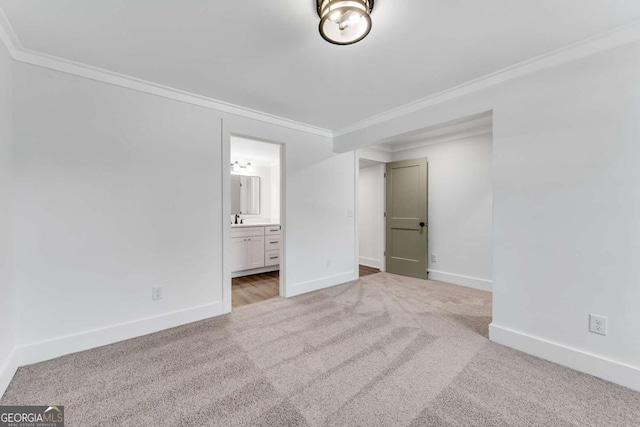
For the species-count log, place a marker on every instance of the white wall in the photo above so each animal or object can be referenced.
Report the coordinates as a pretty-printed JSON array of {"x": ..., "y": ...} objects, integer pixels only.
[
  {"x": 119, "y": 191},
  {"x": 371, "y": 216},
  {"x": 7, "y": 292},
  {"x": 116, "y": 192},
  {"x": 460, "y": 209},
  {"x": 566, "y": 241},
  {"x": 321, "y": 196}
]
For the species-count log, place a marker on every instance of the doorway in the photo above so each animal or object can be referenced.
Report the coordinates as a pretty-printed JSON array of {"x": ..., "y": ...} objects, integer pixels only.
[
  {"x": 256, "y": 243},
  {"x": 459, "y": 197},
  {"x": 371, "y": 202}
]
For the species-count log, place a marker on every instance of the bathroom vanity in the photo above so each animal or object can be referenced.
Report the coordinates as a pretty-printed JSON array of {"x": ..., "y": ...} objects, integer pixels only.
[{"x": 255, "y": 248}]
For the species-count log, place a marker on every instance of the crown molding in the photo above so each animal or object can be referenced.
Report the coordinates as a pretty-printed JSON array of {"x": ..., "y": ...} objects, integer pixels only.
[
  {"x": 8, "y": 36},
  {"x": 21, "y": 54},
  {"x": 590, "y": 46},
  {"x": 599, "y": 43}
]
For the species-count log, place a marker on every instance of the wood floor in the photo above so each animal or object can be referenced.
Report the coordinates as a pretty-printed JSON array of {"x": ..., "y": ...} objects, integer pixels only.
[
  {"x": 365, "y": 271},
  {"x": 259, "y": 287},
  {"x": 251, "y": 289}
]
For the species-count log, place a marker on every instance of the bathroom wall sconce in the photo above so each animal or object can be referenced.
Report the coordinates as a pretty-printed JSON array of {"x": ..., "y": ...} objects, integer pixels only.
[
  {"x": 236, "y": 167},
  {"x": 344, "y": 21}
]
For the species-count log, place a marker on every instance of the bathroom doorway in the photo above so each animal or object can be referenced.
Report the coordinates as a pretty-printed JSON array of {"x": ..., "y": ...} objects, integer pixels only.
[{"x": 256, "y": 238}]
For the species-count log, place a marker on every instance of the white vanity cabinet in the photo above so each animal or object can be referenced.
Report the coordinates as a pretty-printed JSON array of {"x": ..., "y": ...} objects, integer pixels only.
[
  {"x": 255, "y": 249},
  {"x": 272, "y": 249},
  {"x": 248, "y": 252}
]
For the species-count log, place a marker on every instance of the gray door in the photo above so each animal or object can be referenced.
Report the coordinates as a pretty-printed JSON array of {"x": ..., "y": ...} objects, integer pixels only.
[{"x": 406, "y": 218}]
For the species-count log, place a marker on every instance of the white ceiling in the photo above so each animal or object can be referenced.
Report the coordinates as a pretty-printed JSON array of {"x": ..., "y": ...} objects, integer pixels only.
[
  {"x": 257, "y": 152},
  {"x": 268, "y": 55}
]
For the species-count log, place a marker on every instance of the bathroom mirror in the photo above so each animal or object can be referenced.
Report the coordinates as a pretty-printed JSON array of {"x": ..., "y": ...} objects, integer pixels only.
[{"x": 245, "y": 195}]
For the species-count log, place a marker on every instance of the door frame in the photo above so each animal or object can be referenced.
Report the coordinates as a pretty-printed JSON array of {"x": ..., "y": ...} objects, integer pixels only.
[{"x": 227, "y": 133}]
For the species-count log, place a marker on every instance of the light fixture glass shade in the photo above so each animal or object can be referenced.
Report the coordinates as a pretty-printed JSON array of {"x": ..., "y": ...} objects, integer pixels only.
[{"x": 344, "y": 21}]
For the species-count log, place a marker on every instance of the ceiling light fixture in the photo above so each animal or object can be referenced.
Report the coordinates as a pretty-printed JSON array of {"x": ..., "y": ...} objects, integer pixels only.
[
  {"x": 344, "y": 21},
  {"x": 237, "y": 167}
]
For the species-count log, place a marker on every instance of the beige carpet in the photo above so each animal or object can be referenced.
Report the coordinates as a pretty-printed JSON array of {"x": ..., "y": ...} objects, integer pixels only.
[{"x": 381, "y": 351}]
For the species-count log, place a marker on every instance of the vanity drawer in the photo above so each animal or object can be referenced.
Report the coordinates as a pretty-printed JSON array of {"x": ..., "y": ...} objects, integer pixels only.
[
  {"x": 247, "y": 231},
  {"x": 272, "y": 230},
  {"x": 271, "y": 257},
  {"x": 271, "y": 243}
]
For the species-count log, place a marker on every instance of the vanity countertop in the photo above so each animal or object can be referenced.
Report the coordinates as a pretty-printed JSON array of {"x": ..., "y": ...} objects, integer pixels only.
[{"x": 265, "y": 224}]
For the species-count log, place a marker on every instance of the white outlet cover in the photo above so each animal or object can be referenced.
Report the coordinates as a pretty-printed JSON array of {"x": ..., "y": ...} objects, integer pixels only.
[
  {"x": 597, "y": 324},
  {"x": 350, "y": 213},
  {"x": 156, "y": 294},
  {"x": 434, "y": 257}
]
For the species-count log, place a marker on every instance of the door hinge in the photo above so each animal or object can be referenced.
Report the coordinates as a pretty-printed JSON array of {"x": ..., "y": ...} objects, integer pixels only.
[
  {"x": 385, "y": 175},
  {"x": 385, "y": 214}
]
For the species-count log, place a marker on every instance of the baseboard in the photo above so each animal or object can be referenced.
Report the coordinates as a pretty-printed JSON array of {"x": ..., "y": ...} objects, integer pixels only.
[
  {"x": 370, "y": 262},
  {"x": 598, "y": 366},
  {"x": 8, "y": 370},
  {"x": 56, "y": 347},
  {"x": 459, "y": 279},
  {"x": 325, "y": 282}
]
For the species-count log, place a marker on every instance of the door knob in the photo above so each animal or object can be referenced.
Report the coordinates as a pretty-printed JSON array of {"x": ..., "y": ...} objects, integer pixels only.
[{"x": 422, "y": 224}]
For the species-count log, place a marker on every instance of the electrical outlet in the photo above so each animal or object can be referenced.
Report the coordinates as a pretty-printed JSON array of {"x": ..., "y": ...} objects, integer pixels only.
[
  {"x": 328, "y": 262},
  {"x": 597, "y": 324},
  {"x": 350, "y": 213},
  {"x": 156, "y": 294},
  {"x": 434, "y": 257}
]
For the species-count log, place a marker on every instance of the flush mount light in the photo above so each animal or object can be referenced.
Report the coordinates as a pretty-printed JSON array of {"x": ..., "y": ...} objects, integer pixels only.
[{"x": 344, "y": 21}]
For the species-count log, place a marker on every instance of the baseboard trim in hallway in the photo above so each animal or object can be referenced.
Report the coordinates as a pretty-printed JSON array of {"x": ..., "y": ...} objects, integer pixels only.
[
  {"x": 598, "y": 366},
  {"x": 323, "y": 283},
  {"x": 64, "y": 345},
  {"x": 459, "y": 279},
  {"x": 8, "y": 369}
]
